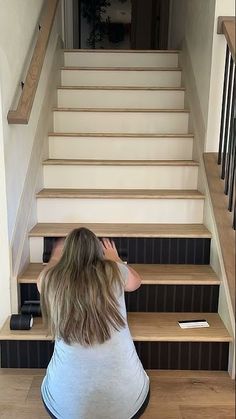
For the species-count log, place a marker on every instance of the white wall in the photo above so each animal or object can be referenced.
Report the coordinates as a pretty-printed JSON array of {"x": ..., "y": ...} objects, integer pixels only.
[
  {"x": 192, "y": 25},
  {"x": 4, "y": 241},
  {"x": 194, "y": 30},
  {"x": 23, "y": 146},
  {"x": 18, "y": 20},
  {"x": 223, "y": 8}
]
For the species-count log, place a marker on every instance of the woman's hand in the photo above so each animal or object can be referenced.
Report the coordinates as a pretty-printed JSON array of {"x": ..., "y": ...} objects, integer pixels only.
[{"x": 109, "y": 250}]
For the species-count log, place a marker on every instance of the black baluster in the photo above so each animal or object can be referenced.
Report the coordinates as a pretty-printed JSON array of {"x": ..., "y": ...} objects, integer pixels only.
[
  {"x": 222, "y": 126},
  {"x": 227, "y": 118},
  {"x": 233, "y": 167},
  {"x": 230, "y": 154}
]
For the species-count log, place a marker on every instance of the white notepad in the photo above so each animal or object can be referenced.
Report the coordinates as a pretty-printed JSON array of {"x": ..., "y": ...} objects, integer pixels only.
[{"x": 192, "y": 324}]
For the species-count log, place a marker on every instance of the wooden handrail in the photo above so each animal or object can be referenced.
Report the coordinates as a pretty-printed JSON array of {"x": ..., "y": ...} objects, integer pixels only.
[
  {"x": 226, "y": 26},
  {"x": 22, "y": 114}
]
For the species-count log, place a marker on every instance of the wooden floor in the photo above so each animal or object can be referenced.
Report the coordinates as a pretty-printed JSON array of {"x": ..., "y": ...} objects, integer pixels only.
[{"x": 174, "y": 395}]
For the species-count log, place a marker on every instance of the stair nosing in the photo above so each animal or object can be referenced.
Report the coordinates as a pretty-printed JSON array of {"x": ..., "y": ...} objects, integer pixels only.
[
  {"x": 120, "y": 110},
  {"x": 123, "y": 230},
  {"x": 162, "y": 277},
  {"x": 129, "y": 68},
  {"x": 143, "y": 88},
  {"x": 118, "y": 194},
  {"x": 129, "y": 51},
  {"x": 176, "y": 335},
  {"x": 99, "y": 162},
  {"x": 119, "y": 135}
]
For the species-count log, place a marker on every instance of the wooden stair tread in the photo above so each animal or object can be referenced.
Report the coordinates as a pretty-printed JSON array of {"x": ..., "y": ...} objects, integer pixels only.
[
  {"x": 174, "y": 89},
  {"x": 129, "y": 51},
  {"x": 117, "y": 135},
  {"x": 120, "y": 193},
  {"x": 121, "y": 110},
  {"x": 150, "y": 273},
  {"x": 151, "y": 327},
  {"x": 129, "y": 68},
  {"x": 123, "y": 230},
  {"x": 99, "y": 162}
]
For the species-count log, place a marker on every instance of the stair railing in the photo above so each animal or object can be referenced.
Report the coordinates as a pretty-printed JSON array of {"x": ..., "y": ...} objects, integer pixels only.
[
  {"x": 23, "y": 110},
  {"x": 227, "y": 143}
]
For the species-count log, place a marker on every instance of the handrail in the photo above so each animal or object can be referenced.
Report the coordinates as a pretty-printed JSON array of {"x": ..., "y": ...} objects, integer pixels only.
[
  {"x": 226, "y": 26},
  {"x": 227, "y": 141},
  {"x": 22, "y": 113}
]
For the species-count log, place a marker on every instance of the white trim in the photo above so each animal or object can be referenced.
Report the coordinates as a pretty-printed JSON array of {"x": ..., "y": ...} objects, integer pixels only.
[{"x": 225, "y": 309}]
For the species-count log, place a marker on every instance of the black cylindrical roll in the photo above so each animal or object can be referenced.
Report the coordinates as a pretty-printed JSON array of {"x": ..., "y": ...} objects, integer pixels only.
[
  {"x": 32, "y": 308},
  {"x": 21, "y": 321}
]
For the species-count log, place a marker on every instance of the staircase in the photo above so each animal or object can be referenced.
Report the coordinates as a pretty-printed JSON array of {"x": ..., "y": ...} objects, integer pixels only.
[{"x": 120, "y": 163}]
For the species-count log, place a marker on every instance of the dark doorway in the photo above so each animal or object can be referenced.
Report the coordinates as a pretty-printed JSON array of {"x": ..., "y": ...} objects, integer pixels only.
[
  {"x": 150, "y": 24},
  {"x": 121, "y": 24}
]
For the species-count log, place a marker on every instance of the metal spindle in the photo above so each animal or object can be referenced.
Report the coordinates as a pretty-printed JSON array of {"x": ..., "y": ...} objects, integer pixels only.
[
  {"x": 233, "y": 168},
  {"x": 222, "y": 125},
  {"x": 227, "y": 118},
  {"x": 230, "y": 154}
]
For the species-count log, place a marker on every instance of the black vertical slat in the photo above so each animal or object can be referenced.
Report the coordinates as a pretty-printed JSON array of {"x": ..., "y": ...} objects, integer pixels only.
[
  {"x": 230, "y": 154},
  {"x": 175, "y": 251},
  {"x": 227, "y": 119},
  {"x": 222, "y": 125},
  {"x": 231, "y": 183}
]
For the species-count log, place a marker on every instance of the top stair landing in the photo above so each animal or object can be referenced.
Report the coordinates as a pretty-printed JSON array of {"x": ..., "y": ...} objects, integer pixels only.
[{"x": 121, "y": 58}]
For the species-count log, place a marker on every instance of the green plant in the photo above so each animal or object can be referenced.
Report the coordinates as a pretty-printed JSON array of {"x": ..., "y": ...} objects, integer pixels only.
[{"x": 92, "y": 11}]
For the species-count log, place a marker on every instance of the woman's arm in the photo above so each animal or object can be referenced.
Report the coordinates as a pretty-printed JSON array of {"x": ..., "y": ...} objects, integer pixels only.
[
  {"x": 110, "y": 253},
  {"x": 55, "y": 257}
]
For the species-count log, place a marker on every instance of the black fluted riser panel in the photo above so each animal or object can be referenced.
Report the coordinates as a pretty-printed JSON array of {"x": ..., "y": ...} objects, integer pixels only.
[
  {"x": 154, "y": 355},
  {"x": 158, "y": 298},
  {"x": 173, "y": 298},
  {"x": 184, "y": 355},
  {"x": 155, "y": 250}
]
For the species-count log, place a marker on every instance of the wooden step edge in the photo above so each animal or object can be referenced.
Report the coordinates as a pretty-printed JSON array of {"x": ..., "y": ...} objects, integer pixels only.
[
  {"x": 96, "y": 162},
  {"x": 119, "y": 194},
  {"x": 126, "y": 51},
  {"x": 162, "y": 89},
  {"x": 151, "y": 274},
  {"x": 123, "y": 230},
  {"x": 144, "y": 327},
  {"x": 129, "y": 68},
  {"x": 120, "y": 110},
  {"x": 119, "y": 135}
]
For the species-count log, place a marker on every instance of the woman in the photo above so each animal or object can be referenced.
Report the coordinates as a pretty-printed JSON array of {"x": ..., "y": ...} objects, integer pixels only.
[{"x": 94, "y": 372}]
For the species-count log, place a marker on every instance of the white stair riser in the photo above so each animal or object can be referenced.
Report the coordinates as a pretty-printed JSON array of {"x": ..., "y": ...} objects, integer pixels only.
[
  {"x": 120, "y": 177},
  {"x": 115, "y": 122},
  {"x": 121, "y": 78},
  {"x": 119, "y": 59},
  {"x": 36, "y": 249},
  {"x": 121, "y": 98},
  {"x": 62, "y": 210},
  {"x": 120, "y": 148}
]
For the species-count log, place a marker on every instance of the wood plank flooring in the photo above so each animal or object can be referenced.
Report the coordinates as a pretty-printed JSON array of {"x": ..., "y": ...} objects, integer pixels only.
[{"x": 174, "y": 395}]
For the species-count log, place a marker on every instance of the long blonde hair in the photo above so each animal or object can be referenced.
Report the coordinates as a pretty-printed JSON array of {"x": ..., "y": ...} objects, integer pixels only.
[{"x": 79, "y": 293}]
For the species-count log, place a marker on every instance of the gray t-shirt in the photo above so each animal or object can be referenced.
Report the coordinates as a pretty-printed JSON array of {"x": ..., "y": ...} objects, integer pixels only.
[{"x": 105, "y": 381}]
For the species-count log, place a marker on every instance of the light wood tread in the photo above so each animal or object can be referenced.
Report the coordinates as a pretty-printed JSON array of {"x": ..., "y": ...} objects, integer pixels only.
[
  {"x": 151, "y": 274},
  {"x": 129, "y": 68},
  {"x": 123, "y": 230},
  {"x": 174, "y": 89},
  {"x": 118, "y": 135},
  {"x": 128, "y": 51},
  {"x": 120, "y": 193},
  {"x": 121, "y": 110},
  {"x": 151, "y": 327},
  {"x": 97, "y": 162}
]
